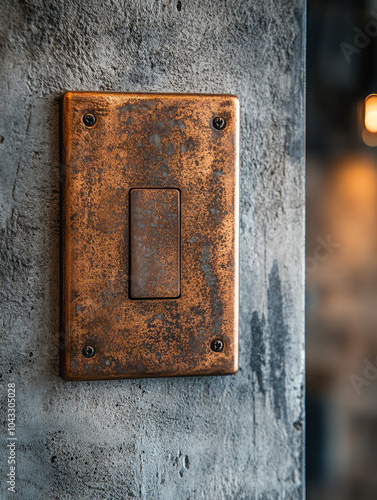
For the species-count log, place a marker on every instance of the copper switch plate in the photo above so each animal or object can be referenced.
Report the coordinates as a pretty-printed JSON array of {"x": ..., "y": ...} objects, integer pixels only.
[{"x": 149, "y": 235}]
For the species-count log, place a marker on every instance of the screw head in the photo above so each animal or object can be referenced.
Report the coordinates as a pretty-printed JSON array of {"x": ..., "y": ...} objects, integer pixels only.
[
  {"x": 89, "y": 119},
  {"x": 217, "y": 345},
  {"x": 219, "y": 123},
  {"x": 88, "y": 351}
]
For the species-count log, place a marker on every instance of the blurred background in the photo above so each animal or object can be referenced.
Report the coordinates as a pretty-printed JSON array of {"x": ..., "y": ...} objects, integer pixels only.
[{"x": 341, "y": 260}]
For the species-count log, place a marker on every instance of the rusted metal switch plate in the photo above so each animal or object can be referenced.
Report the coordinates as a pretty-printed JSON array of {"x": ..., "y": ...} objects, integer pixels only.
[{"x": 150, "y": 235}]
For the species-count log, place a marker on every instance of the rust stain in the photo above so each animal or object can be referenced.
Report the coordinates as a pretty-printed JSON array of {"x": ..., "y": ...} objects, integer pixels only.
[{"x": 162, "y": 154}]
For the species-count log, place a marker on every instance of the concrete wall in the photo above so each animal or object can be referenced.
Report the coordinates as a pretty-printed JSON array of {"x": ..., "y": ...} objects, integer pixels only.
[{"x": 237, "y": 437}]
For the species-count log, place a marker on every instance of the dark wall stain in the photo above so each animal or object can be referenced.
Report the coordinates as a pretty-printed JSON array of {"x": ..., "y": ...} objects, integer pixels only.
[
  {"x": 258, "y": 352},
  {"x": 279, "y": 337}
]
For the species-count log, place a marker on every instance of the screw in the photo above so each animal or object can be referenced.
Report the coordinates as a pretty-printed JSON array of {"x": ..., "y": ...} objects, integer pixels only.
[
  {"x": 89, "y": 119},
  {"x": 219, "y": 123},
  {"x": 217, "y": 345},
  {"x": 88, "y": 351}
]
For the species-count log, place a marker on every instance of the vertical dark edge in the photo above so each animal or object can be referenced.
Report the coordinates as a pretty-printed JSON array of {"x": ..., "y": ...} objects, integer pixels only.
[
  {"x": 237, "y": 229},
  {"x": 180, "y": 242},
  {"x": 62, "y": 239},
  {"x": 303, "y": 438},
  {"x": 129, "y": 294}
]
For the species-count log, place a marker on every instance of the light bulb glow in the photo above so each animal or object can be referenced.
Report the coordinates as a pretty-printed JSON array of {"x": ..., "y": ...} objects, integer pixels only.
[{"x": 370, "y": 118}]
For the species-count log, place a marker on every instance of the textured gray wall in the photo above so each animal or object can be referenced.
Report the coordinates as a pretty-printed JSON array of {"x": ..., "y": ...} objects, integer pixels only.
[{"x": 237, "y": 437}]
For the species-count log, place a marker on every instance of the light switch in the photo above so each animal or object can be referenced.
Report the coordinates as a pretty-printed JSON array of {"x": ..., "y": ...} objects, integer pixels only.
[
  {"x": 155, "y": 243},
  {"x": 150, "y": 235}
]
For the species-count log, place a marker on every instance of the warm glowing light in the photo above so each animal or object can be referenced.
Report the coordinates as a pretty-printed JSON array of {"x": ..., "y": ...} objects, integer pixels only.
[{"x": 370, "y": 119}]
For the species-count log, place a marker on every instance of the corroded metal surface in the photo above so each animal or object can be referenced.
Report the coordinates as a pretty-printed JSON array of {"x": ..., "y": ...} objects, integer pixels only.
[
  {"x": 146, "y": 141},
  {"x": 155, "y": 243}
]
